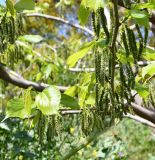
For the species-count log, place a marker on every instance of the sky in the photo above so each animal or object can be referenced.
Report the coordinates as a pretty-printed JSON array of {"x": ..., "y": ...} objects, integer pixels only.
[{"x": 2, "y": 2}]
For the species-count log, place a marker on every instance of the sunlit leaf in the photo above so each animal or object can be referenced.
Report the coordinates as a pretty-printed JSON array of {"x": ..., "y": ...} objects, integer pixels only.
[
  {"x": 142, "y": 90},
  {"x": 71, "y": 91},
  {"x": 82, "y": 95},
  {"x": 140, "y": 17},
  {"x": 124, "y": 59},
  {"x": 10, "y": 6},
  {"x": 47, "y": 71},
  {"x": 91, "y": 99},
  {"x": 94, "y": 4},
  {"x": 27, "y": 100},
  {"x": 149, "y": 5},
  {"x": 15, "y": 108},
  {"x": 48, "y": 101},
  {"x": 32, "y": 38},
  {"x": 149, "y": 54},
  {"x": 148, "y": 70},
  {"x": 71, "y": 61}
]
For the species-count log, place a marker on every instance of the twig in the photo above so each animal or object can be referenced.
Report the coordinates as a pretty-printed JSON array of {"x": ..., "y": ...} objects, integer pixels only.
[
  {"x": 58, "y": 19},
  {"x": 140, "y": 63},
  {"x": 128, "y": 115},
  {"x": 140, "y": 120}
]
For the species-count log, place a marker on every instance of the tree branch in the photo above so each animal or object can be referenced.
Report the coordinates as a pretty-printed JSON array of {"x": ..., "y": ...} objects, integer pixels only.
[
  {"x": 145, "y": 113},
  {"x": 14, "y": 78},
  {"x": 140, "y": 120},
  {"x": 128, "y": 115},
  {"x": 10, "y": 76},
  {"x": 140, "y": 63},
  {"x": 58, "y": 19}
]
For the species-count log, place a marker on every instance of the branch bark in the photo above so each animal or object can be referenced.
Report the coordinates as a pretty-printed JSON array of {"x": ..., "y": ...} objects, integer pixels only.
[
  {"x": 140, "y": 120},
  {"x": 14, "y": 78},
  {"x": 145, "y": 113},
  {"x": 58, "y": 19}
]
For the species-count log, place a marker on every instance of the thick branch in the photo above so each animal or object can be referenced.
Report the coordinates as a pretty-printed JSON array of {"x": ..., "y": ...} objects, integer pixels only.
[
  {"x": 10, "y": 76},
  {"x": 14, "y": 78},
  {"x": 143, "y": 112},
  {"x": 61, "y": 21}
]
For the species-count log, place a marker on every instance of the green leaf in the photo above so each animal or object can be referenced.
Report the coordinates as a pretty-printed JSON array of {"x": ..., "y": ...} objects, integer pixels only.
[
  {"x": 68, "y": 101},
  {"x": 91, "y": 99},
  {"x": 71, "y": 91},
  {"x": 149, "y": 54},
  {"x": 49, "y": 100},
  {"x": 101, "y": 43},
  {"x": 142, "y": 90},
  {"x": 149, "y": 5},
  {"x": 83, "y": 14},
  {"x": 32, "y": 38},
  {"x": 82, "y": 95},
  {"x": 15, "y": 108},
  {"x": 85, "y": 79},
  {"x": 24, "y": 5},
  {"x": 47, "y": 71},
  {"x": 124, "y": 59},
  {"x": 140, "y": 17},
  {"x": 28, "y": 101},
  {"x": 71, "y": 61},
  {"x": 148, "y": 70},
  {"x": 94, "y": 4},
  {"x": 10, "y": 6}
]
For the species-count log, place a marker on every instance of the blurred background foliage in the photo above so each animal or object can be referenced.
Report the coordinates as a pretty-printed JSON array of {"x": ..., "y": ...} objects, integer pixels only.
[{"x": 127, "y": 140}]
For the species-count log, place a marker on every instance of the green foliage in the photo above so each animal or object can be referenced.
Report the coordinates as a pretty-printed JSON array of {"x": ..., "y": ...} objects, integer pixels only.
[
  {"x": 93, "y": 4},
  {"x": 15, "y": 108},
  {"x": 83, "y": 14},
  {"x": 149, "y": 54},
  {"x": 20, "y": 107},
  {"x": 140, "y": 17},
  {"x": 72, "y": 60},
  {"x": 32, "y": 38},
  {"x": 148, "y": 70},
  {"x": 10, "y": 6},
  {"x": 142, "y": 90},
  {"x": 118, "y": 143},
  {"x": 48, "y": 102},
  {"x": 68, "y": 101},
  {"x": 24, "y": 5}
]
